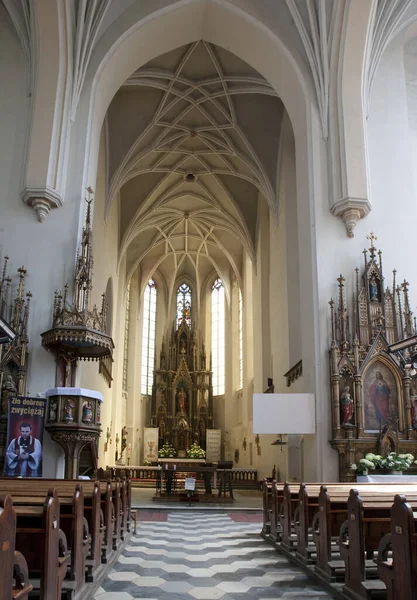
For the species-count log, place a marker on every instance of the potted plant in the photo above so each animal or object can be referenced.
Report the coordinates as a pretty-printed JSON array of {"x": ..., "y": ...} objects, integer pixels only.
[
  {"x": 397, "y": 463},
  {"x": 369, "y": 463}
]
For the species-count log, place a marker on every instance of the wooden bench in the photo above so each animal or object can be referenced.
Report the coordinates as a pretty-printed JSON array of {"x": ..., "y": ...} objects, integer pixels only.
[
  {"x": 75, "y": 527},
  {"x": 92, "y": 511},
  {"x": 276, "y": 512},
  {"x": 44, "y": 546},
  {"x": 399, "y": 570},
  {"x": 367, "y": 523},
  {"x": 266, "y": 506},
  {"x": 13, "y": 567}
]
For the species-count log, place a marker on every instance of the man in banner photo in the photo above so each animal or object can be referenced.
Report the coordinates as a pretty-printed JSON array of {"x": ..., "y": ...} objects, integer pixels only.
[{"x": 24, "y": 437}]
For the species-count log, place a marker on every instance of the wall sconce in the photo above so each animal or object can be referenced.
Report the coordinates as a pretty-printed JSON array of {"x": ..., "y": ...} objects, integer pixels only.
[{"x": 244, "y": 444}]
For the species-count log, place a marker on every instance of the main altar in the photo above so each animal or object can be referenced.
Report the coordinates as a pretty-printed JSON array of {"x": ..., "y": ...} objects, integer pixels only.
[{"x": 182, "y": 392}]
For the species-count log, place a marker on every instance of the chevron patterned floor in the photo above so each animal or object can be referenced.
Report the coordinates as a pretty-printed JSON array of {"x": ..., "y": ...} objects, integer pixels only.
[{"x": 203, "y": 556}]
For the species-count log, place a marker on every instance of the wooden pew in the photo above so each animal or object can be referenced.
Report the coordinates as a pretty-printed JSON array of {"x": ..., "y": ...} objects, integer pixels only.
[
  {"x": 266, "y": 506},
  {"x": 399, "y": 572},
  {"x": 44, "y": 546},
  {"x": 276, "y": 512},
  {"x": 366, "y": 525},
  {"x": 75, "y": 528},
  {"x": 96, "y": 506},
  {"x": 13, "y": 565}
]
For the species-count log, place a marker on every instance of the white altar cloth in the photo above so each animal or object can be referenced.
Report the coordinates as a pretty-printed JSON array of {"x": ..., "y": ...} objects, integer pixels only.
[{"x": 386, "y": 478}]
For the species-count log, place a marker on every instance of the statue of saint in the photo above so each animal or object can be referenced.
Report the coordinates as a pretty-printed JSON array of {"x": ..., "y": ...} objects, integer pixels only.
[
  {"x": 87, "y": 412},
  {"x": 8, "y": 389},
  {"x": 69, "y": 410},
  {"x": 52, "y": 410},
  {"x": 182, "y": 396},
  {"x": 162, "y": 428},
  {"x": 373, "y": 289},
  {"x": 346, "y": 404}
]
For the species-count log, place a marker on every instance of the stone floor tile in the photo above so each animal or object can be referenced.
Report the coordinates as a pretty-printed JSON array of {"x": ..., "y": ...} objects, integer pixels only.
[
  {"x": 180, "y": 587},
  {"x": 148, "y": 581},
  {"x": 201, "y": 573},
  {"x": 204, "y": 593},
  {"x": 233, "y": 587},
  {"x": 122, "y": 576},
  {"x": 114, "y": 596}
]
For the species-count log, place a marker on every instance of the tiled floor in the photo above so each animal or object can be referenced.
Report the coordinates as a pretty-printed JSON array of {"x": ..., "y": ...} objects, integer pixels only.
[{"x": 195, "y": 555}]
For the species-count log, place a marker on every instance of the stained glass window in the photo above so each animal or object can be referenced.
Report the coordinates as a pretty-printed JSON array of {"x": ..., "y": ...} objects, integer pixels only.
[
  {"x": 217, "y": 337},
  {"x": 240, "y": 341},
  {"x": 184, "y": 304},
  {"x": 148, "y": 337}
]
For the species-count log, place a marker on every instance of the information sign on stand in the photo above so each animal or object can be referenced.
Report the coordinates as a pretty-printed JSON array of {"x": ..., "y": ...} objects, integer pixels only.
[{"x": 190, "y": 484}]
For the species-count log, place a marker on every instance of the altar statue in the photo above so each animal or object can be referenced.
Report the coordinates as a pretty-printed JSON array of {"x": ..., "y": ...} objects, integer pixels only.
[{"x": 182, "y": 396}]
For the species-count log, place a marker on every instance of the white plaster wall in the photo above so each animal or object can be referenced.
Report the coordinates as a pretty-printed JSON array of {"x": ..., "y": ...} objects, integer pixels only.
[
  {"x": 47, "y": 251},
  {"x": 393, "y": 209}
]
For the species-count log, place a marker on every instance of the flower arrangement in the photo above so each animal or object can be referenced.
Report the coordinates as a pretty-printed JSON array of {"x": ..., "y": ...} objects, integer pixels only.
[
  {"x": 397, "y": 462},
  {"x": 167, "y": 451},
  {"x": 392, "y": 462},
  {"x": 196, "y": 451},
  {"x": 369, "y": 463}
]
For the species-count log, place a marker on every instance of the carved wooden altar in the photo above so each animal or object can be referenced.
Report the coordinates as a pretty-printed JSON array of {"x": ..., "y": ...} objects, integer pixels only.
[
  {"x": 182, "y": 393},
  {"x": 373, "y": 396}
]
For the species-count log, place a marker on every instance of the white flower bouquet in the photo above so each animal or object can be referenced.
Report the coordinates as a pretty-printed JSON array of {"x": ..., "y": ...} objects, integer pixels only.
[
  {"x": 167, "y": 451},
  {"x": 196, "y": 452}
]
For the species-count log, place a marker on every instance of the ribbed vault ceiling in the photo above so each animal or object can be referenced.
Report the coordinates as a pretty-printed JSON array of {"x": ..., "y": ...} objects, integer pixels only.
[{"x": 193, "y": 148}]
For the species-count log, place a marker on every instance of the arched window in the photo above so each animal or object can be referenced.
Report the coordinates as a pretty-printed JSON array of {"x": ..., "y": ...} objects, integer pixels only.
[
  {"x": 217, "y": 336},
  {"x": 148, "y": 337},
  {"x": 240, "y": 341},
  {"x": 184, "y": 304}
]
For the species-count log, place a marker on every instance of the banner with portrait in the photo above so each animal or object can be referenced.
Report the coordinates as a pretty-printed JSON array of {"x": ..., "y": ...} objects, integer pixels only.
[{"x": 26, "y": 417}]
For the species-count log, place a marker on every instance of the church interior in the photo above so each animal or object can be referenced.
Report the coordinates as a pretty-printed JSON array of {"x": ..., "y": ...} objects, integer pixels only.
[
  {"x": 203, "y": 200},
  {"x": 193, "y": 196}
]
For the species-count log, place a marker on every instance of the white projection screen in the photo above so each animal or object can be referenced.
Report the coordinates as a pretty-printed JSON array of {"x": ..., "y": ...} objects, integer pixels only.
[{"x": 284, "y": 413}]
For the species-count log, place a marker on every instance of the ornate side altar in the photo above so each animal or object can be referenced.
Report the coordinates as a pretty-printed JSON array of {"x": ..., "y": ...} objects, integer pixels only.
[
  {"x": 182, "y": 395},
  {"x": 373, "y": 396}
]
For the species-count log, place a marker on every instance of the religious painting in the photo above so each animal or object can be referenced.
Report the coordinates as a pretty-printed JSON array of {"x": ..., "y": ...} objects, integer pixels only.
[
  {"x": 150, "y": 443},
  {"x": 380, "y": 395}
]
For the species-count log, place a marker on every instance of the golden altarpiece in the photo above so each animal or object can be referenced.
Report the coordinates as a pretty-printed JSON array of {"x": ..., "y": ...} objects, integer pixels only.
[
  {"x": 373, "y": 395},
  {"x": 182, "y": 392}
]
